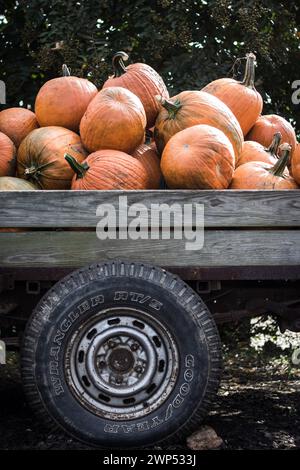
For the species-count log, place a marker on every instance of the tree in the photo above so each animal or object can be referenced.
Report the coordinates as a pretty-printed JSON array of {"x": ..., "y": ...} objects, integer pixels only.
[{"x": 189, "y": 42}]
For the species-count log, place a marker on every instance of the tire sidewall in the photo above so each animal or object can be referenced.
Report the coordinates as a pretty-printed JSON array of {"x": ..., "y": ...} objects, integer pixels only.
[{"x": 73, "y": 302}]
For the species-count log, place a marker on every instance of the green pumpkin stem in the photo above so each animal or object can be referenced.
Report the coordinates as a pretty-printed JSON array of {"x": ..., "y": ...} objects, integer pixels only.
[
  {"x": 273, "y": 147},
  {"x": 171, "y": 106},
  {"x": 79, "y": 169},
  {"x": 66, "y": 72},
  {"x": 118, "y": 63},
  {"x": 249, "y": 76},
  {"x": 280, "y": 166}
]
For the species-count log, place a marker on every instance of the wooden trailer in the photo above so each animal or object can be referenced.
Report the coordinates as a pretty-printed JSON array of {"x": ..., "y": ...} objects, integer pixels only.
[{"x": 122, "y": 347}]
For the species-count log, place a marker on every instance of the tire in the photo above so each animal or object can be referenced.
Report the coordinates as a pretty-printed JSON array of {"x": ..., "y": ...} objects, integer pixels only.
[{"x": 121, "y": 355}]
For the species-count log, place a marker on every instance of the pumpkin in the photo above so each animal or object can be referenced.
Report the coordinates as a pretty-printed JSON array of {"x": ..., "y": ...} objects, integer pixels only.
[
  {"x": 241, "y": 97},
  {"x": 148, "y": 157},
  {"x": 296, "y": 164},
  {"x": 108, "y": 169},
  {"x": 265, "y": 128},
  {"x": 190, "y": 108},
  {"x": 253, "y": 151},
  {"x": 10, "y": 183},
  {"x": 261, "y": 175},
  {"x": 41, "y": 160},
  {"x": 7, "y": 156},
  {"x": 115, "y": 119},
  {"x": 63, "y": 101},
  {"x": 142, "y": 80},
  {"x": 17, "y": 123},
  {"x": 199, "y": 157}
]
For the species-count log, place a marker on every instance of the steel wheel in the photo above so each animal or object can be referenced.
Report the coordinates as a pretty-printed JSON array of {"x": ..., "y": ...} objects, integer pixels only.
[
  {"x": 121, "y": 355},
  {"x": 121, "y": 364}
]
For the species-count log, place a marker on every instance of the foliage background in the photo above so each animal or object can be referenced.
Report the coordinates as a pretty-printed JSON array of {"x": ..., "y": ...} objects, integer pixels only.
[{"x": 190, "y": 42}]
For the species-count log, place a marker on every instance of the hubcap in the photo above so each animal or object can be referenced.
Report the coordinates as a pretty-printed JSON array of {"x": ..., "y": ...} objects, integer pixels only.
[
  {"x": 121, "y": 360},
  {"x": 121, "y": 364}
]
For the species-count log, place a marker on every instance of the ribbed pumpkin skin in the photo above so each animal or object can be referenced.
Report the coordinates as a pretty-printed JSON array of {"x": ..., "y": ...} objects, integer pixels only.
[
  {"x": 17, "y": 123},
  {"x": 200, "y": 157},
  {"x": 144, "y": 82},
  {"x": 256, "y": 175},
  {"x": 245, "y": 102},
  {"x": 10, "y": 183},
  {"x": 41, "y": 157},
  {"x": 296, "y": 164},
  {"x": 255, "y": 152},
  {"x": 7, "y": 156},
  {"x": 63, "y": 101},
  {"x": 111, "y": 169},
  {"x": 148, "y": 157},
  {"x": 265, "y": 128},
  {"x": 198, "y": 107},
  {"x": 115, "y": 119}
]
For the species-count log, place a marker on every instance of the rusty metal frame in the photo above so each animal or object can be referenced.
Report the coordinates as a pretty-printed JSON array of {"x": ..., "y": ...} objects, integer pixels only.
[{"x": 202, "y": 273}]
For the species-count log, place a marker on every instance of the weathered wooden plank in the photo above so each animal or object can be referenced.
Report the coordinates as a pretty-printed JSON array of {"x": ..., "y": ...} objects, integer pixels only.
[
  {"x": 78, "y": 208},
  {"x": 221, "y": 248}
]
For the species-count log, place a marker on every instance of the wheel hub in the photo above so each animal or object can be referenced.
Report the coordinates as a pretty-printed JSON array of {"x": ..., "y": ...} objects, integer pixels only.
[
  {"x": 121, "y": 360},
  {"x": 121, "y": 364}
]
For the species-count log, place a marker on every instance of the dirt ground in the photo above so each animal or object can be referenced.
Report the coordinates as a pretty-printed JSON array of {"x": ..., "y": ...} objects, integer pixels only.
[{"x": 258, "y": 407}]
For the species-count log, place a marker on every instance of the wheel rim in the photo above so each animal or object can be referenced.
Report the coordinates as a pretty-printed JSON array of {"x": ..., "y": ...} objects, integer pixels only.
[{"x": 121, "y": 364}]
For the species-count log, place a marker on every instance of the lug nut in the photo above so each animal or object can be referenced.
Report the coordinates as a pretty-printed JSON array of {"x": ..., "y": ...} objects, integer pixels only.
[
  {"x": 111, "y": 344},
  {"x": 119, "y": 380},
  {"x": 134, "y": 347},
  {"x": 102, "y": 364},
  {"x": 138, "y": 369}
]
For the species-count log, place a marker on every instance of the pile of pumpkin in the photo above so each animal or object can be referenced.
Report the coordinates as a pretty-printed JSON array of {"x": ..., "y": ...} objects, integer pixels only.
[{"x": 132, "y": 135}]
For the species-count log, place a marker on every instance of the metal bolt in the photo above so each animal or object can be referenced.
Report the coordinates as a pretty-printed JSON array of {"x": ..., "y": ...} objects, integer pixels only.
[
  {"x": 119, "y": 380},
  {"x": 111, "y": 344},
  {"x": 138, "y": 369},
  {"x": 102, "y": 364},
  {"x": 134, "y": 347}
]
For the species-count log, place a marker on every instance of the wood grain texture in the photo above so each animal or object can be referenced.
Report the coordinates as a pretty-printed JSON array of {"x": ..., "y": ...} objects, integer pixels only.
[
  {"x": 78, "y": 208},
  {"x": 221, "y": 248}
]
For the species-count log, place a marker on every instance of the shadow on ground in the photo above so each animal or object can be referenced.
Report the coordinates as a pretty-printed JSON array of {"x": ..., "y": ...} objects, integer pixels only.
[{"x": 258, "y": 407}]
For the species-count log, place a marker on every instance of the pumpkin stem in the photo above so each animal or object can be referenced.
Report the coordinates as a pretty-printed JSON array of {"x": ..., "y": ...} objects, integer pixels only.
[
  {"x": 118, "y": 63},
  {"x": 171, "y": 106},
  {"x": 79, "y": 168},
  {"x": 283, "y": 161},
  {"x": 249, "y": 71},
  {"x": 66, "y": 72},
  {"x": 34, "y": 172},
  {"x": 273, "y": 147}
]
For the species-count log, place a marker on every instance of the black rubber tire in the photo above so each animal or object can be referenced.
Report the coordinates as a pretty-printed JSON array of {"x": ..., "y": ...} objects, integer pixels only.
[{"x": 188, "y": 320}]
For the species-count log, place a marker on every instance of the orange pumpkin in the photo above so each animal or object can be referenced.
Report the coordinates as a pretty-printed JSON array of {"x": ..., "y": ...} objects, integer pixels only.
[
  {"x": 142, "y": 80},
  {"x": 108, "y": 169},
  {"x": 296, "y": 163},
  {"x": 148, "y": 157},
  {"x": 241, "y": 97},
  {"x": 190, "y": 108},
  {"x": 115, "y": 119},
  {"x": 265, "y": 128},
  {"x": 7, "y": 156},
  {"x": 41, "y": 160},
  {"x": 199, "y": 157},
  {"x": 63, "y": 101},
  {"x": 261, "y": 175},
  {"x": 17, "y": 123},
  {"x": 253, "y": 151}
]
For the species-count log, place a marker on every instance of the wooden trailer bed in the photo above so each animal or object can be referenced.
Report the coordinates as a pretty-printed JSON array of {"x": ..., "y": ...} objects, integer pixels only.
[{"x": 248, "y": 234}]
